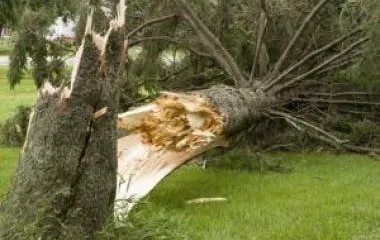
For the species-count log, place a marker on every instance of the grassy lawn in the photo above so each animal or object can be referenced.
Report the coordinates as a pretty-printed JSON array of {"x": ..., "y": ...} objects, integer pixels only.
[
  {"x": 324, "y": 196},
  {"x": 23, "y": 94},
  {"x": 5, "y": 47},
  {"x": 8, "y": 161}
]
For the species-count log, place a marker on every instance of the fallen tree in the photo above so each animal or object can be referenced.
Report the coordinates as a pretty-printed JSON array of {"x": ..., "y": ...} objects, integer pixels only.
[{"x": 177, "y": 126}]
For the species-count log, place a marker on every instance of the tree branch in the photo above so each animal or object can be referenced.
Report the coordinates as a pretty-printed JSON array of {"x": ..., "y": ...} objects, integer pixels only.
[
  {"x": 311, "y": 55},
  {"x": 325, "y": 137},
  {"x": 211, "y": 42},
  {"x": 148, "y": 23},
  {"x": 288, "y": 117},
  {"x": 322, "y": 65},
  {"x": 349, "y": 147},
  {"x": 343, "y": 64},
  {"x": 169, "y": 75},
  {"x": 336, "y": 101},
  {"x": 260, "y": 38},
  {"x": 341, "y": 94},
  {"x": 297, "y": 35}
]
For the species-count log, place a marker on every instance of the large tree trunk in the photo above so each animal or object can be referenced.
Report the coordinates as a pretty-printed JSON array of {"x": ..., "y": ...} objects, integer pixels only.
[
  {"x": 175, "y": 128},
  {"x": 65, "y": 182}
]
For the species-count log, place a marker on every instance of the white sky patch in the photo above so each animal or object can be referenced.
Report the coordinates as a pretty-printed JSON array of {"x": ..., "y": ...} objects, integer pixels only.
[
  {"x": 170, "y": 57},
  {"x": 48, "y": 89},
  {"x": 134, "y": 52},
  {"x": 107, "y": 11},
  {"x": 61, "y": 29}
]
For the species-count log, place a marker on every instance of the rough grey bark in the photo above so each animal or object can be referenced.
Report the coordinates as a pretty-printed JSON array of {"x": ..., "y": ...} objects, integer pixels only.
[
  {"x": 65, "y": 183},
  {"x": 239, "y": 106}
]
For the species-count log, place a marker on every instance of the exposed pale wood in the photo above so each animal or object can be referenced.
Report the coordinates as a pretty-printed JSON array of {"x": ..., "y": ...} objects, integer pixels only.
[
  {"x": 142, "y": 166},
  {"x": 206, "y": 200},
  {"x": 100, "y": 112},
  {"x": 132, "y": 119}
]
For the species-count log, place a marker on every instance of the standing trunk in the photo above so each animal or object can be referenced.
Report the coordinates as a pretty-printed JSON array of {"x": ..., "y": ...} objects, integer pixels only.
[{"x": 65, "y": 182}]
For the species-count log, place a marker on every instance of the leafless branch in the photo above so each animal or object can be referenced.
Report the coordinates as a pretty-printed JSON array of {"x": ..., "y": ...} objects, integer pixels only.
[
  {"x": 172, "y": 74},
  {"x": 340, "y": 65},
  {"x": 336, "y": 101},
  {"x": 297, "y": 35},
  {"x": 325, "y": 137},
  {"x": 341, "y": 94},
  {"x": 349, "y": 147},
  {"x": 311, "y": 55},
  {"x": 260, "y": 38},
  {"x": 211, "y": 42},
  {"x": 148, "y": 23},
  {"x": 323, "y": 64},
  {"x": 291, "y": 118}
]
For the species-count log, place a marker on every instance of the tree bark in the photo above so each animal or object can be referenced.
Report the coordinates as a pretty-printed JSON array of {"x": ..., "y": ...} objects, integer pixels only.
[
  {"x": 238, "y": 106},
  {"x": 66, "y": 177}
]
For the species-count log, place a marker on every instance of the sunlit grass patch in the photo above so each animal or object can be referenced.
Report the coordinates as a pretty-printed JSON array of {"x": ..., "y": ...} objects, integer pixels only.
[
  {"x": 326, "y": 196},
  {"x": 23, "y": 94},
  {"x": 8, "y": 161}
]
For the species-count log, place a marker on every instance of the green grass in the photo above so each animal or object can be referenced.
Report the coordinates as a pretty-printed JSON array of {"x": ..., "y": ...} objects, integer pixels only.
[
  {"x": 5, "y": 51},
  {"x": 325, "y": 197},
  {"x": 5, "y": 47},
  {"x": 23, "y": 94},
  {"x": 8, "y": 161}
]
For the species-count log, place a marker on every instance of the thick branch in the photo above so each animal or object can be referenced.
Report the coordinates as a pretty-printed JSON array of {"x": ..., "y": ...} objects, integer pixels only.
[
  {"x": 149, "y": 23},
  {"x": 211, "y": 42}
]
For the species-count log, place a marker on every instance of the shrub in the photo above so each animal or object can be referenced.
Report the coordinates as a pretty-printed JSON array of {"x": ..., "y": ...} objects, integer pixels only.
[{"x": 13, "y": 131}]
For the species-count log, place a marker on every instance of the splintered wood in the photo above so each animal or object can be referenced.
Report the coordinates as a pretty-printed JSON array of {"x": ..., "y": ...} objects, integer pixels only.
[
  {"x": 183, "y": 124},
  {"x": 163, "y": 135},
  {"x": 175, "y": 121}
]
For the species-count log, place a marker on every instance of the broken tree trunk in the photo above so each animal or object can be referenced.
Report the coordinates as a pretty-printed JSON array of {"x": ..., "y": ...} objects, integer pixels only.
[
  {"x": 175, "y": 128},
  {"x": 65, "y": 181}
]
